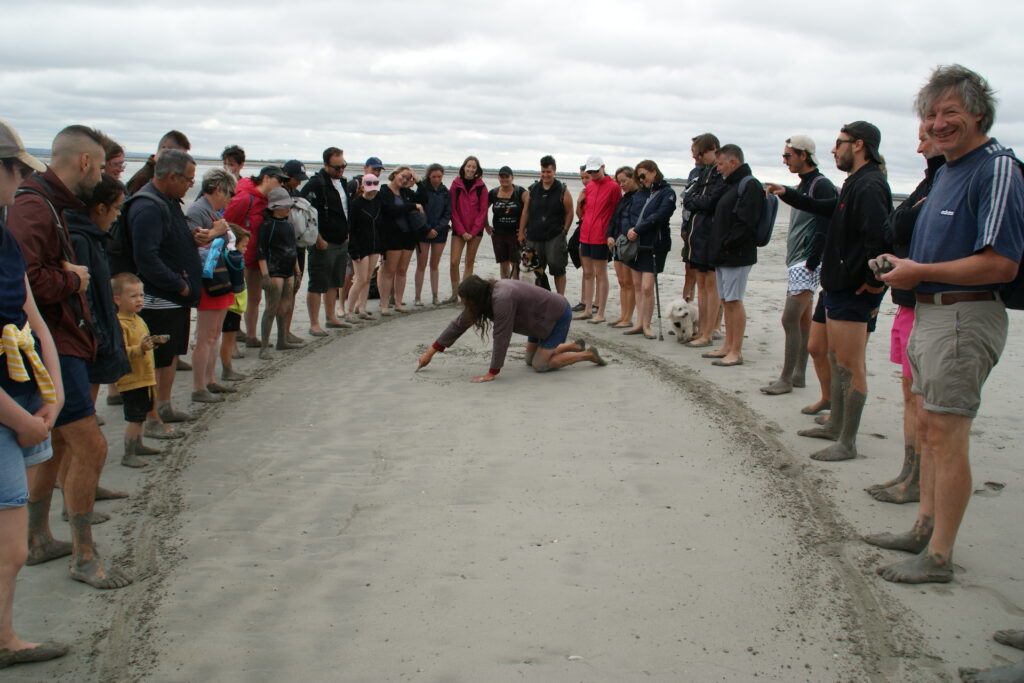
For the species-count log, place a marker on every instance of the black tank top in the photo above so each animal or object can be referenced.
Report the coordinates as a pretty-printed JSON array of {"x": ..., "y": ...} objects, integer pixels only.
[
  {"x": 506, "y": 211},
  {"x": 547, "y": 213}
]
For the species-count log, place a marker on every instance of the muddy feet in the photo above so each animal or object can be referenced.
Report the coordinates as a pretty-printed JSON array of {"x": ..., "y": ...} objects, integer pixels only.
[
  {"x": 43, "y": 652},
  {"x": 94, "y": 517},
  {"x": 50, "y": 549},
  {"x": 779, "y": 386},
  {"x": 1011, "y": 637},
  {"x": 1011, "y": 673},
  {"x": 131, "y": 460},
  {"x": 903, "y": 492},
  {"x": 835, "y": 453},
  {"x": 913, "y": 541},
  {"x": 110, "y": 494},
  {"x": 265, "y": 354},
  {"x": 924, "y": 567},
  {"x": 98, "y": 575},
  {"x": 819, "y": 433},
  {"x": 816, "y": 408}
]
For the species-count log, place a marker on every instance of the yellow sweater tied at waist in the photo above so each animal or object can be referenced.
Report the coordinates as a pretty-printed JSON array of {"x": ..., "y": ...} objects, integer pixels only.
[{"x": 15, "y": 342}]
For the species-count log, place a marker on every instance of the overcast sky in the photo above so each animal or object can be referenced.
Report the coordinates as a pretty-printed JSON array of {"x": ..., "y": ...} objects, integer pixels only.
[{"x": 418, "y": 82}]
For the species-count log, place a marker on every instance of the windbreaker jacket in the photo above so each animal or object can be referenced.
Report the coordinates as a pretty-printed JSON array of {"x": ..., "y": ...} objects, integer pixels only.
[
  {"x": 624, "y": 218},
  {"x": 246, "y": 209},
  {"x": 602, "y": 196},
  {"x": 701, "y": 203},
  {"x": 31, "y": 222},
  {"x": 469, "y": 207}
]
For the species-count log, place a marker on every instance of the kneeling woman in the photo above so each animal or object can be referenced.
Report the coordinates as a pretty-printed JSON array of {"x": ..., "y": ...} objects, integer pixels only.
[{"x": 520, "y": 307}]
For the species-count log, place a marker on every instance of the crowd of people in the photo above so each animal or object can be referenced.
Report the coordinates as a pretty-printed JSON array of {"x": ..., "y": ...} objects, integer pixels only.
[{"x": 100, "y": 279}]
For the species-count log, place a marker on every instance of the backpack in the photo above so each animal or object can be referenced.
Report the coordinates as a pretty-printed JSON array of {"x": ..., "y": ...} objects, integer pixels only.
[
  {"x": 769, "y": 210},
  {"x": 306, "y": 222},
  {"x": 119, "y": 248},
  {"x": 1012, "y": 293}
]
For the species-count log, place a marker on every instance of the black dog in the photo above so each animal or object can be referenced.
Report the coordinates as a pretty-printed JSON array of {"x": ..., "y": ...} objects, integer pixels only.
[{"x": 529, "y": 261}]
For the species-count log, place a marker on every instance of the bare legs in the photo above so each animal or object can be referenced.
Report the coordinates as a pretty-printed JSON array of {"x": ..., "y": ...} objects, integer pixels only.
[
  {"x": 544, "y": 360},
  {"x": 595, "y": 287},
  {"x": 458, "y": 244},
  {"x": 279, "y": 297},
  {"x": 796, "y": 323},
  {"x": 643, "y": 288},
  {"x": 362, "y": 269},
  {"x": 627, "y": 296},
  {"x": 254, "y": 289},
  {"x": 905, "y": 488},
  {"x": 204, "y": 358},
  {"x": 735, "y": 326},
  {"x": 818, "y": 348},
  {"x": 708, "y": 305},
  {"x": 847, "y": 341}
]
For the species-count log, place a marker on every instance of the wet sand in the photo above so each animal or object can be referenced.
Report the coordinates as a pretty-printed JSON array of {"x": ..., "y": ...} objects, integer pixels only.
[{"x": 346, "y": 519}]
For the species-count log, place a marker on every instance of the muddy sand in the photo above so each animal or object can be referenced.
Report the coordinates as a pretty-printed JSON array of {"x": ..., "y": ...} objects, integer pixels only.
[{"x": 345, "y": 519}]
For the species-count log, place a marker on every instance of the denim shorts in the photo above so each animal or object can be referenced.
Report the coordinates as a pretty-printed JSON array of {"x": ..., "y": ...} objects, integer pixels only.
[
  {"x": 14, "y": 459},
  {"x": 558, "y": 334}
]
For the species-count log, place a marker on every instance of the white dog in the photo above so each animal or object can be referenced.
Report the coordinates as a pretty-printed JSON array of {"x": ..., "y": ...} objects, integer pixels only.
[{"x": 683, "y": 315}]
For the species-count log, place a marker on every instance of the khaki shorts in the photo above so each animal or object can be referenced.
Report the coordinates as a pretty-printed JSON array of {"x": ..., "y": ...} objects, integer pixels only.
[
  {"x": 554, "y": 253},
  {"x": 952, "y": 350}
]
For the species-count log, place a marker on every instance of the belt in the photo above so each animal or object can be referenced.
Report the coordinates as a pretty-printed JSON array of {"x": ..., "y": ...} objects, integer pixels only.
[{"x": 946, "y": 298}]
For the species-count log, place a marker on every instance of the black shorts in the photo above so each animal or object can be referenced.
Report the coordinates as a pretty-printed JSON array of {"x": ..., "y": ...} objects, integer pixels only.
[
  {"x": 701, "y": 267},
  {"x": 327, "y": 268},
  {"x": 859, "y": 308},
  {"x": 137, "y": 402},
  {"x": 78, "y": 403},
  {"x": 819, "y": 310},
  {"x": 232, "y": 322},
  {"x": 177, "y": 323},
  {"x": 506, "y": 247},
  {"x": 598, "y": 252},
  {"x": 300, "y": 257}
]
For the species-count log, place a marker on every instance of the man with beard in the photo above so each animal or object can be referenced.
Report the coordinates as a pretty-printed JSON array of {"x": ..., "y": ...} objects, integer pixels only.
[
  {"x": 58, "y": 284},
  {"x": 856, "y": 234}
]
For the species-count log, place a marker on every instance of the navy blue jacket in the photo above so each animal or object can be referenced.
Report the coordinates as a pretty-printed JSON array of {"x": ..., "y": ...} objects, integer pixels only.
[
  {"x": 653, "y": 226},
  {"x": 701, "y": 203},
  {"x": 625, "y": 215},
  {"x": 437, "y": 204},
  {"x": 165, "y": 255}
]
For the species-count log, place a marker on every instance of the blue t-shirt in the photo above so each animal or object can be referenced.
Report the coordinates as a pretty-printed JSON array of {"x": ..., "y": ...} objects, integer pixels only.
[{"x": 975, "y": 202}]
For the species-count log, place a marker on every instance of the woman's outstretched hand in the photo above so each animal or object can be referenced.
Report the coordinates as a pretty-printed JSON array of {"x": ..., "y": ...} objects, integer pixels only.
[{"x": 425, "y": 358}]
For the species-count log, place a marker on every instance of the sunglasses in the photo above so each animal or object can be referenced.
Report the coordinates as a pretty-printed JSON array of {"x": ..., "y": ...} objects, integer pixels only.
[
  {"x": 787, "y": 156},
  {"x": 641, "y": 176},
  {"x": 340, "y": 167},
  {"x": 840, "y": 141},
  {"x": 371, "y": 183}
]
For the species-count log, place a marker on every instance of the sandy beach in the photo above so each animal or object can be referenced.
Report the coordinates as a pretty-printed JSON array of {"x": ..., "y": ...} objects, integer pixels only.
[{"x": 343, "y": 518}]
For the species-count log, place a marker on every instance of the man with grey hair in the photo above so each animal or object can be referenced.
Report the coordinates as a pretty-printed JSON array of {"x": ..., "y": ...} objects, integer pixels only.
[
  {"x": 803, "y": 259},
  {"x": 168, "y": 263},
  {"x": 967, "y": 242},
  {"x": 58, "y": 284}
]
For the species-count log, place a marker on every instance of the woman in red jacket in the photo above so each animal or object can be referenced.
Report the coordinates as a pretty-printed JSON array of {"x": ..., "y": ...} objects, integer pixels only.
[{"x": 469, "y": 215}]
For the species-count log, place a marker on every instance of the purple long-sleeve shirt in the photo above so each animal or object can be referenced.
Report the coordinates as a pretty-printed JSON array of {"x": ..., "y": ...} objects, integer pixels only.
[{"x": 519, "y": 307}]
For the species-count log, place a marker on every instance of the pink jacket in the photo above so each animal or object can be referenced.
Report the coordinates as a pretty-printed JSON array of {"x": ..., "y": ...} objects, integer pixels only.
[{"x": 469, "y": 207}]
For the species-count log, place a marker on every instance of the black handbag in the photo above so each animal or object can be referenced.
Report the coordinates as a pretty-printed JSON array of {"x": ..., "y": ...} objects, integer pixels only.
[{"x": 625, "y": 250}]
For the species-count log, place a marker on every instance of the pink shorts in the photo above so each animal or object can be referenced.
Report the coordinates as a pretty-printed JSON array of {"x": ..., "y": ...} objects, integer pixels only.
[{"x": 900, "y": 337}]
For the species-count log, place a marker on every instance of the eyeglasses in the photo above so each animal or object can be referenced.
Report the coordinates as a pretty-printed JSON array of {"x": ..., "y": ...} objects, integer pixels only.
[
  {"x": 191, "y": 181},
  {"x": 371, "y": 183},
  {"x": 340, "y": 167},
  {"x": 840, "y": 141},
  {"x": 121, "y": 165}
]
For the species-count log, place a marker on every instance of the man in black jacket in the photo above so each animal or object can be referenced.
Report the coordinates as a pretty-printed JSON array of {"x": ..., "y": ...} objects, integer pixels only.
[
  {"x": 732, "y": 247},
  {"x": 700, "y": 201},
  {"x": 856, "y": 234},
  {"x": 165, "y": 254},
  {"x": 905, "y": 488},
  {"x": 329, "y": 258}
]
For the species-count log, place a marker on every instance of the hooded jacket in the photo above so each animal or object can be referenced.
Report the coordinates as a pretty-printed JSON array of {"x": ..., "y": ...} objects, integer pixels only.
[
  {"x": 701, "y": 203},
  {"x": 734, "y": 228},
  {"x": 602, "y": 196},
  {"x": 89, "y": 243},
  {"x": 31, "y": 223},
  {"x": 437, "y": 205},
  {"x": 624, "y": 218},
  {"x": 325, "y": 198},
  {"x": 469, "y": 207},
  {"x": 856, "y": 230},
  {"x": 246, "y": 209}
]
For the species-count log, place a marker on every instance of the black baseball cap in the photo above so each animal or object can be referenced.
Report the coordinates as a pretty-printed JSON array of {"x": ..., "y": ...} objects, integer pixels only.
[
  {"x": 505, "y": 170},
  {"x": 869, "y": 134},
  {"x": 295, "y": 169},
  {"x": 275, "y": 171}
]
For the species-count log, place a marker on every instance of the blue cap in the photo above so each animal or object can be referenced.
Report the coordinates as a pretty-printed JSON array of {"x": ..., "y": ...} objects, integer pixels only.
[
  {"x": 295, "y": 169},
  {"x": 374, "y": 162}
]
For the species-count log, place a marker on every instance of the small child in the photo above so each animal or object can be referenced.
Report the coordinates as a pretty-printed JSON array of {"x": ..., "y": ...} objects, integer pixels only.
[
  {"x": 137, "y": 386},
  {"x": 279, "y": 265},
  {"x": 233, "y": 319}
]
